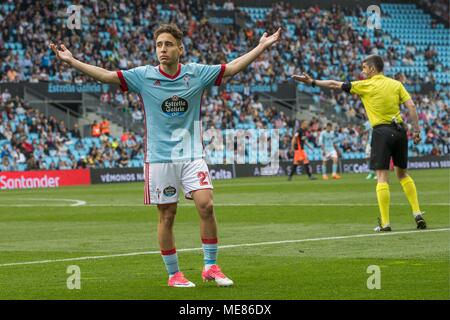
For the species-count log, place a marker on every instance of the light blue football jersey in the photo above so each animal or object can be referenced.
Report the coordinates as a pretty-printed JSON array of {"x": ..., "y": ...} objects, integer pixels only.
[
  {"x": 172, "y": 108},
  {"x": 327, "y": 140},
  {"x": 369, "y": 129}
]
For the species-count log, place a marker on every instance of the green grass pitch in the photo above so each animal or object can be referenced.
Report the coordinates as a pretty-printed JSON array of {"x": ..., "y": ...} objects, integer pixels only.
[{"x": 281, "y": 240}]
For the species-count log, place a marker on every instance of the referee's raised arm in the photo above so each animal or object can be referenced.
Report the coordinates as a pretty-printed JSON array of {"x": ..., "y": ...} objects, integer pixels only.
[
  {"x": 372, "y": 68},
  {"x": 97, "y": 73},
  {"x": 307, "y": 79}
]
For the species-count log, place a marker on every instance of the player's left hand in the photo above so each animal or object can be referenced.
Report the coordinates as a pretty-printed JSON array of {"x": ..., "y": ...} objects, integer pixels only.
[{"x": 268, "y": 41}]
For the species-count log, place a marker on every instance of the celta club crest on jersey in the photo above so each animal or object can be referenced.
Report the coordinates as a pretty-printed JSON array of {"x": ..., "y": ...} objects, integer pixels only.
[
  {"x": 186, "y": 79},
  {"x": 174, "y": 106}
]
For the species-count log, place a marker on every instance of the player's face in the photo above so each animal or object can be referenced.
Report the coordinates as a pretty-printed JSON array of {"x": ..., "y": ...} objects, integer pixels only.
[{"x": 168, "y": 50}]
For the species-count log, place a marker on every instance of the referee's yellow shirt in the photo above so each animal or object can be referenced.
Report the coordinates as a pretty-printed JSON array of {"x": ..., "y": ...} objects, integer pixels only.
[{"x": 382, "y": 97}]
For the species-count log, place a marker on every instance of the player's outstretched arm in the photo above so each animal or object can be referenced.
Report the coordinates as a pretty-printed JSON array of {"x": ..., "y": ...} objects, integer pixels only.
[
  {"x": 97, "y": 73},
  {"x": 307, "y": 79},
  {"x": 242, "y": 62}
]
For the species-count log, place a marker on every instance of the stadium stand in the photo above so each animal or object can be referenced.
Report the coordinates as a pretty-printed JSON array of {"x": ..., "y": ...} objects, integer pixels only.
[{"x": 331, "y": 41}]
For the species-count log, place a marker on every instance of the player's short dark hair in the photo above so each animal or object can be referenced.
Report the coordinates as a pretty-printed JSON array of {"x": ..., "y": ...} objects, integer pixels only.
[
  {"x": 169, "y": 28},
  {"x": 329, "y": 124},
  {"x": 374, "y": 61}
]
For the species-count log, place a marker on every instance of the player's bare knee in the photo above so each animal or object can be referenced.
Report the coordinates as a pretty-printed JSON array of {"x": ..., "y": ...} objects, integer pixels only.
[
  {"x": 167, "y": 219},
  {"x": 167, "y": 214},
  {"x": 206, "y": 208}
]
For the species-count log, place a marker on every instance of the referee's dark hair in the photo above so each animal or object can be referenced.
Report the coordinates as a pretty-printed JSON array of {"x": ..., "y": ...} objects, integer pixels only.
[{"x": 375, "y": 61}]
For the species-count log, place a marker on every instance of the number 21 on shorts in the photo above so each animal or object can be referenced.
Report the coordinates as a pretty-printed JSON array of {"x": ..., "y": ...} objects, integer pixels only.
[{"x": 204, "y": 178}]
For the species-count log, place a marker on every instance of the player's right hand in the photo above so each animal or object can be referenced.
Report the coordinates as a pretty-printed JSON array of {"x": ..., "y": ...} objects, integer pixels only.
[
  {"x": 64, "y": 54},
  {"x": 305, "y": 78},
  {"x": 268, "y": 41}
]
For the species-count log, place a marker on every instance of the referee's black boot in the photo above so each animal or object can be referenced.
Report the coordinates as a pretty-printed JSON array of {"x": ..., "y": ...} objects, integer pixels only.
[
  {"x": 420, "y": 221},
  {"x": 383, "y": 229},
  {"x": 380, "y": 228}
]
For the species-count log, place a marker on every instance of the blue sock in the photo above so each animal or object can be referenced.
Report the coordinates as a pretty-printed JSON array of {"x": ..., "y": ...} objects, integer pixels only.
[
  {"x": 210, "y": 249},
  {"x": 324, "y": 169},
  {"x": 334, "y": 168},
  {"x": 170, "y": 259}
]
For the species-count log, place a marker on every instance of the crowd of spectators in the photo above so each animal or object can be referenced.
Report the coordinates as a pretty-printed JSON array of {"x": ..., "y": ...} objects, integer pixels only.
[
  {"x": 114, "y": 37},
  {"x": 118, "y": 35},
  {"x": 318, "y": 41},
  {"x": 31, "y": 141},
  {"x": 438, "y": 7}
]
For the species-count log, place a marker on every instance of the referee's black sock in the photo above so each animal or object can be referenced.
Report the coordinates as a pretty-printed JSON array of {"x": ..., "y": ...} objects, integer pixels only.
[{"x": 307, "y": 169}]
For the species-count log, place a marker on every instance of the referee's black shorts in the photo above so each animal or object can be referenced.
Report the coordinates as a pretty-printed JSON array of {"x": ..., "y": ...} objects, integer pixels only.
[{"x": 388, "y": 141}]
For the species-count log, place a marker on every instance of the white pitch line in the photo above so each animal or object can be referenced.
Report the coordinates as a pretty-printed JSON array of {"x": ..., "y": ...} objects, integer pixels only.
[
  {"x": 225, "y": 247},
  {"x": 84, "y": 204},
  {"x": 76, "y": 203}
]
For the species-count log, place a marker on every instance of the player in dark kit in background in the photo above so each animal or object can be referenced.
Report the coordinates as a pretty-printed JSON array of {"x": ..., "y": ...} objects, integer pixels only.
[{"x": 298, "y": 144}]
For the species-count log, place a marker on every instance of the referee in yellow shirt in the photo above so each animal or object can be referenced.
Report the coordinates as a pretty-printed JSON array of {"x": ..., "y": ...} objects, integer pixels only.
[{"x": 382, "y": 97}]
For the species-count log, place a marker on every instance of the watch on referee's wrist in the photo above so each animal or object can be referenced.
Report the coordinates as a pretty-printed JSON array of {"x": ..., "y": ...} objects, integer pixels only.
[{"x": 313, "y": 83}]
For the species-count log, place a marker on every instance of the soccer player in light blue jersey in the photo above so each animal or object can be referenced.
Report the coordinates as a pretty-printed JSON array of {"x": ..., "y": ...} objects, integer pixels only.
[
  {"x": 327, "y": 140},
  {"x": 171, "y": 95}
]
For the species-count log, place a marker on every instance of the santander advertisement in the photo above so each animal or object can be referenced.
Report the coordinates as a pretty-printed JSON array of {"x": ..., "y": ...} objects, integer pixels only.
[{"x": 44, "y": 179}]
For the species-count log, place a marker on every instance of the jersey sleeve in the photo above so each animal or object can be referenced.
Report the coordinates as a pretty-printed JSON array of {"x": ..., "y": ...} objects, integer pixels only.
[
  {"x": 210, "y": 74},
  {"x": 404, "y": 95},
  {"x": 346, "y": 86},
  {"x": 132, "y": 79},
  {"x": 358, "y": 87}
]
